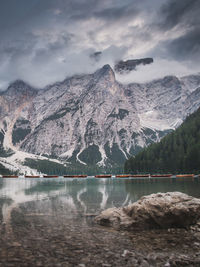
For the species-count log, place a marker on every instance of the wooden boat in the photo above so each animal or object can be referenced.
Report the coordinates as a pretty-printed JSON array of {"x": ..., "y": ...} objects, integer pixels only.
[
  {"x": 50, "y": 176},
  {"x": 75, "y": 176},
  {"x": 32, "y": 176},
  {"x": 140, "y": 175},
  {"x": 103, "y": 176},
  {"x": 10, "y": 176},
  {"x": 184, "y": 175},
  {"x": 161, "y": 175},
  {"x": 122, "y": 176}
]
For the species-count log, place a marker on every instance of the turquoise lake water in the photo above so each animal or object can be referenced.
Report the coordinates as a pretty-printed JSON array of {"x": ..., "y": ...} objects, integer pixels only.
[
  {"x": 50, "y": 221},
  {"x": 87, "y": 195}
]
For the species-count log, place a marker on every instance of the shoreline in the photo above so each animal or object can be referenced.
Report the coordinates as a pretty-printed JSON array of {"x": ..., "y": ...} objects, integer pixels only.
[{"x": 43, "y": 240}]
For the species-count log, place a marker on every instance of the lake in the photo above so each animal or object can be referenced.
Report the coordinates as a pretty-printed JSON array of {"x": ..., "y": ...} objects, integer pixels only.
[
  {"x": 50, "y": 221},
  {"x": 89, "y": 195}
]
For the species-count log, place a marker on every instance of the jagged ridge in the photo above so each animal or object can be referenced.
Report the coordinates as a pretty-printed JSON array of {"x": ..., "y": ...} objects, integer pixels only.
[{"x": 93, "y": 119}]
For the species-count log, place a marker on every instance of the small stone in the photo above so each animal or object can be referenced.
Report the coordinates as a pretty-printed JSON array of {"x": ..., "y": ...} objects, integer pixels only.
[
  {"x": 16, "y": 244},
  {"x": 125, "y": 253},
  {"x": 81, "y": 265}
]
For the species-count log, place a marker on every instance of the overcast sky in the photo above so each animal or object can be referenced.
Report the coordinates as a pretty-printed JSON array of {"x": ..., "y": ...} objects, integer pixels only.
[{"x": 43, "y": 41}]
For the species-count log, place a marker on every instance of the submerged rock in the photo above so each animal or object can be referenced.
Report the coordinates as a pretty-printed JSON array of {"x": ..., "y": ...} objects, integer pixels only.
[{"x": 161, "y": 210}]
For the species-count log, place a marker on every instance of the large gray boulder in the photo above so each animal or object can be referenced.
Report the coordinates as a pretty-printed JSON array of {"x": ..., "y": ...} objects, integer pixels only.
[{"x": 161, "y": 210}]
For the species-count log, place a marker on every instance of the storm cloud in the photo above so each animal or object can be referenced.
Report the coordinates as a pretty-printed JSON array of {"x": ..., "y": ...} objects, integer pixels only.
[
  {"x": 182, "y": 18},
  {"x": 46, "y": 41},
  {"x": 177, "y": 12}
]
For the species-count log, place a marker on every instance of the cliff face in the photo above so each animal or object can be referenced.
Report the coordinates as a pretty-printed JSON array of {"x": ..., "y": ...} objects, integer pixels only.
[{"x": 93, "y": 119}]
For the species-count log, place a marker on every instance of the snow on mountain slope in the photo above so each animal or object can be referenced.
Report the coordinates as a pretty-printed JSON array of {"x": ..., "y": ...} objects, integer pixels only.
[{"x": 93, "y": 119}]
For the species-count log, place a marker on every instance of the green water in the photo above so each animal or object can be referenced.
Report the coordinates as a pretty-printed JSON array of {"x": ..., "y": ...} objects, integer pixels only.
[
  {"x": 84, "y": 196},
  {"x": 50, "y": 222}
]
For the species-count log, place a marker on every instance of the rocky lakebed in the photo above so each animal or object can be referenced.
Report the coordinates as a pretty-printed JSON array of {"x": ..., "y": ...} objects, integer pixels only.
[{"x": 161, "y": 229}]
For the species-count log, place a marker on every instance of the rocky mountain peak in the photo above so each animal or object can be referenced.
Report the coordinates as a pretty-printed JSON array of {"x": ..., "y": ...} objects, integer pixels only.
[
  {"x": 17, "y": 94},
  {"x": 18, "y": 84},
  {"x": 19, "y": 87},
  {"x": 105, "y": 71},
  {"x": 92, "y": 119}
]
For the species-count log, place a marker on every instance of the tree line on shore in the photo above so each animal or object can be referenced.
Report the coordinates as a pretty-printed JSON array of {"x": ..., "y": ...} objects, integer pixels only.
[
  {"x": 54, "y": 168},
  {"x": 178, "y": 152}
]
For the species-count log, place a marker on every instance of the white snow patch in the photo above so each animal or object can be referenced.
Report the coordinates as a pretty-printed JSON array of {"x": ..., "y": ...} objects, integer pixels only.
[
  {"x": 140, "y": 141},
  {"x": 77, "y": 157},
  {"x": 15, "y": 166},
  {"x": 176, "y": 123},
  {"x": 103, "y": 157},
  {"x": 150, "y": 119},
  {"x": 68, "y": 153},
  {"x": 123, "y": 152},
  {"x": 15, "y": 162}
]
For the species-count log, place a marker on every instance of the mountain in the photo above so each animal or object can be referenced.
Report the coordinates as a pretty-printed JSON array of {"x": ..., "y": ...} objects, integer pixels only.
[
  {"x": 91, "y": 120},
  {"x": 179, "y": 151},
  {"x": 124, "y": 67}
]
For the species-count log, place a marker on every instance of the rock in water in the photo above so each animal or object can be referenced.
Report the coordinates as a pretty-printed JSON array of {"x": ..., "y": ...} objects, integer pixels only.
[{"x": 161, "y": 210}]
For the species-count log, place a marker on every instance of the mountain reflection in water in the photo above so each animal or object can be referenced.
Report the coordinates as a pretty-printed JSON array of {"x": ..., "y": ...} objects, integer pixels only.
[{"x": 70, "y": 197}]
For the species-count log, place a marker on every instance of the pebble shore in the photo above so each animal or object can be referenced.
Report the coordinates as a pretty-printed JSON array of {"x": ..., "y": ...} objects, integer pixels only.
[{"x": 59, "y": 240}]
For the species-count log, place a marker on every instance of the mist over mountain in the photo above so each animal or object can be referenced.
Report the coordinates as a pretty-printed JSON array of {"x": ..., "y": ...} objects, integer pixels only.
[{"x": 43, "y": 42}]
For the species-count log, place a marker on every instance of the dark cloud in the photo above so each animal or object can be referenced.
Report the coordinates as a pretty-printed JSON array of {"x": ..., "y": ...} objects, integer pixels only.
[
  {"x": 14, "y": 13},
  {"x": 118, "y": 13},
  {"x": 44, "y": 40},
  {"x": 179, "y": 20},
  {"x": 186, "y": 47},
  {"x": 185, "y": 12},
  {"x": 52, "y": 49}
]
